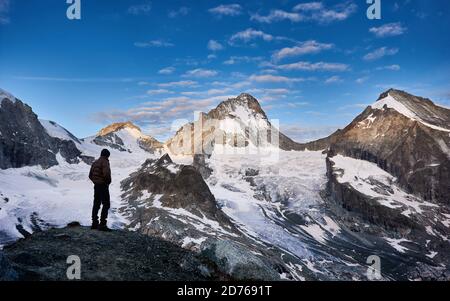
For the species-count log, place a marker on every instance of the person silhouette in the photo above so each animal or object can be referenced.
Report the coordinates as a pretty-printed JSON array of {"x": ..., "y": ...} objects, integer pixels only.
[{"x": 100, "y": 175}]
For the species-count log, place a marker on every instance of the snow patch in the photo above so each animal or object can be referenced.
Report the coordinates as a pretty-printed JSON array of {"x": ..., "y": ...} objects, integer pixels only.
[{"x": 391, "y": 103}]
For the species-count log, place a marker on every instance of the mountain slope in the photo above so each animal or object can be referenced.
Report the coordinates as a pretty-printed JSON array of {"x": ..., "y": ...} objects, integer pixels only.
[
  {"x": 407, "y": 136},
  {"x": 25, "y": 142}
]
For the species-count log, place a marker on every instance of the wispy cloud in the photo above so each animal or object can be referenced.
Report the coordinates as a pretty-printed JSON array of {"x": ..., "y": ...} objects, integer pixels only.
[
  {"x": 380, "y": 53},
  {"x": 302, "y": 48},
  {"x": 182, "y": 11},
  {"x": 167, "y": 70},
  {"x": 158, "y": 92},
  {"x": 182, "y": 83},
  {"x": 319, "y": 66},
  {"x": 390, "y": 67},
  {"x": 154, "y": 43},
  {"x": 4, "y": 11},
  {"x": 140, "y": 9},
  {"x": 333, "y": 79},
  {"x": 277, "y": 15},
  {"x": 269, "y": 78},
  {"x": 339, "y": 12},
  {"x": 308, "y": 6},
  {"x": 388, "y": 30},
  {"x": 76, "y": 79},
  {"x": 239, "y": 59},
  {"x": 213, "y": 45},
  {"x": 226, "y": 10},
  {"x": 311, "y": 11},
  {"x": 200, "y": 73},
  {"x": 251, "y": 34}
]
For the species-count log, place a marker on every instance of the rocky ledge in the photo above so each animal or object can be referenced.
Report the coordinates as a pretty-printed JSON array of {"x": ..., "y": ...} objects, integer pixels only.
[{"x": 109, "y": 256}]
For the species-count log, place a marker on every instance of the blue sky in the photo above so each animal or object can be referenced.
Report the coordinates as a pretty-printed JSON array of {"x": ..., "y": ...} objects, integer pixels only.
[{"x": 314, "y": 65}]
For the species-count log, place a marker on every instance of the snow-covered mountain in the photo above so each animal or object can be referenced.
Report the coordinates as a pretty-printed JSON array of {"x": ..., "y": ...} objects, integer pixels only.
[
  {"x": 379, "y": 188},
  {"x": 237, "y": 122}
]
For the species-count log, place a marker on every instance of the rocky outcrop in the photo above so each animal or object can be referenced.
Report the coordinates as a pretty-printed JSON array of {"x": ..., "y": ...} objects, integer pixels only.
[
  {"x": 43, "y": 256},
  {"x": 162, "y": 183},
  {"x": 240, "y": 263},
  {"x": 25, "y": 142}
]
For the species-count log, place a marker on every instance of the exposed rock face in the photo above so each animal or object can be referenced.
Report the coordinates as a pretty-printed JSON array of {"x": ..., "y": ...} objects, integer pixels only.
[
  {"x": 134, "y": 257},
  {"x": 237, "y": 122},
  {"x": 407, "y": 136},
  {"x": 371, "y": 203},
  {"x": 25, "y": 142},
  {"x": 113, "y": 136},
  {"x": 174, "y": 186}
]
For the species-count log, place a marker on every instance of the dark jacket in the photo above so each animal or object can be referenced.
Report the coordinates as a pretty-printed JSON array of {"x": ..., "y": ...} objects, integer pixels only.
[{"x": 100, "y": 173}]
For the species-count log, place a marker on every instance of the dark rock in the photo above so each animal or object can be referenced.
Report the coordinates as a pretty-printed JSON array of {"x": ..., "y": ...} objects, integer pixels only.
[
  {"x": 134, "y": 257},
  {"x": 7, "y": 273},
  {"x": 25, "y": 142}
]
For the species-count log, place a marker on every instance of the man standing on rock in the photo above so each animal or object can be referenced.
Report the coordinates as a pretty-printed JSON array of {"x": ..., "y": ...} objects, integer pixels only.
[{"x": 100, "y": 175}]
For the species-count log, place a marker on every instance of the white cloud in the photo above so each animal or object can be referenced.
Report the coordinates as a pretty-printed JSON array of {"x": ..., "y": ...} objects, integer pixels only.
[
  {"x": 269, "y": 78},
  {"x": 320, "y": 66},
  {"x": 167, "y": 70},
  {"x": 158, "y": 91},
  {"x": 390, "y": 67},
  {"x": 277, "y": 15},
  {"x": 182, "y": 11},
  {"x": 154, "y": 43},
  {"x": 333, "y": 79},
  {"x": 238, "y": 59},
  {"x": 340, "y": 12},
  {"x": 278, "y": 91},
  {"x": 140, "y": 9},
  {"x": 213, "y": 45},
  {"x": 302, "y": 48},
  {"x": 388, "y": 30},
  {"x": 250, "y": 34},
  {"x": 308, "y": 6},
  {"x": 199, "y": 72},
  {"x": 182, "y": 83},
  {"x": 311, "y": 11},
  {"x": 379, "y": 53},
  {"x": 226, "y": 10}
]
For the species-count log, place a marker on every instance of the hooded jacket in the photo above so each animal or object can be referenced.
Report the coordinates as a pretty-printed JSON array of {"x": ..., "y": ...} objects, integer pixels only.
[{"x": 100, "y": 173}]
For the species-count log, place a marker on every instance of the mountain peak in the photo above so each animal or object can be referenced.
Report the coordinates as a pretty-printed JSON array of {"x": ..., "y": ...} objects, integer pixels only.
[
  {"x": 117, "y": 126},
  {"x": 396, "y": 93},
  {"x": 231, "y": 106},
  {"x": 416, "y": 108}
]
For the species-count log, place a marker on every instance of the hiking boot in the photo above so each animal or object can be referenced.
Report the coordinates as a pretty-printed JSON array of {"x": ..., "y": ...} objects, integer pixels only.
[
  {"x": 104, "y": 228},
  {"x": 94, "y": 226}
]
